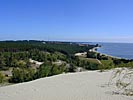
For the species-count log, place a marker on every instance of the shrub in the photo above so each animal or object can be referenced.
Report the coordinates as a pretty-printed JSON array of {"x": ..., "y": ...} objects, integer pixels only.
[
  {"x": 117, "y": 61},
  {"x": 43, "y": 71},
  {"x": 22, "y": 75},
  {"x": 2, "y": 77},
  {"x": 92, "y": 66},
  {"x": 91, "y": 54}
]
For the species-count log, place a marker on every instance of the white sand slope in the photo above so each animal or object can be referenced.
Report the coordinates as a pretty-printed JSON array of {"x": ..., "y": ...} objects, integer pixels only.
[{"x": 77, "y": 86}]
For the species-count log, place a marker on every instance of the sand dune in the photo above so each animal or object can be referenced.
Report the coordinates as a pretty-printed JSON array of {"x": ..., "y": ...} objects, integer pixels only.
[{"x": 90, "y": 85}]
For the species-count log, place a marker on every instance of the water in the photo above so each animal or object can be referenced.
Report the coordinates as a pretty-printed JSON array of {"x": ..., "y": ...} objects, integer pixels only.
[{"x": 122, "y": 50}]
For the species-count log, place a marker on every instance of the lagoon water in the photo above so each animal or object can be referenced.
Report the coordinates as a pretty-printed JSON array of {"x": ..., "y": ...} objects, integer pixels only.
[{"x": 123, "y": 50}]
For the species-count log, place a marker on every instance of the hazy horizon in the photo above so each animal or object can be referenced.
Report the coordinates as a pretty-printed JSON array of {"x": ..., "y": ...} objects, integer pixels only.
[
  {"x": 67, "y": 20},
  {"x": 66, "y": 41}
]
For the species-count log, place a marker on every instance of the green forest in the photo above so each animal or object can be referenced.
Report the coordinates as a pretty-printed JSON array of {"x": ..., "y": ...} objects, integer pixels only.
[{"x": 20, "y": 60}]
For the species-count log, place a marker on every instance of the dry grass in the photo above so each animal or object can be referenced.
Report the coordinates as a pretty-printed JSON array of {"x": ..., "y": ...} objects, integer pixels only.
[
  {"x": 122, "y": 78},
  {"x": 90, "y": 60}
]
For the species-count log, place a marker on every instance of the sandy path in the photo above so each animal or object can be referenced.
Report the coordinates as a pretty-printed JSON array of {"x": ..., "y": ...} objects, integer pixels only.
[{"x": 77, "y": 86}]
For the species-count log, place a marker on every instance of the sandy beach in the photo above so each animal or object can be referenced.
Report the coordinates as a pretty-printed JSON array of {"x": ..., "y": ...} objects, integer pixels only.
[{"x": 90, "y": 85}]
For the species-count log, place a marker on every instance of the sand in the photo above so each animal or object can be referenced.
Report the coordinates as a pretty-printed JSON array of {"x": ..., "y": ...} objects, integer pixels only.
[
  {"x": 90, "y": 85},
  {"x": 36, "y": 62}
]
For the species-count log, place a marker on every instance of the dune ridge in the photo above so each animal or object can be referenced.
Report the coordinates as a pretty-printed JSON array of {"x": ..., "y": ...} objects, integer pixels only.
[{"x": 90, "y": 85}]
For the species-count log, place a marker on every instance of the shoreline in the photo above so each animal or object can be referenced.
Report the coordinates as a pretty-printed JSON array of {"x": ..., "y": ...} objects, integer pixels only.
[{"x": 95, "y": 50}]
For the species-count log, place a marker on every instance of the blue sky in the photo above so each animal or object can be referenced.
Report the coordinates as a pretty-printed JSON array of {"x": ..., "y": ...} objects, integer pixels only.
[{"x": 67, "y": 20}]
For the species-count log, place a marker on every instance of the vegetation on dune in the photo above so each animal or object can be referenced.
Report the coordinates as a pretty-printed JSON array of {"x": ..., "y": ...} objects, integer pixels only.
[
  {"x": 46, "y": 70},
  {"x": 122, "y": 78},
  {"x": 2, "y": 78},
  {"x": 22, "y": 75}
]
